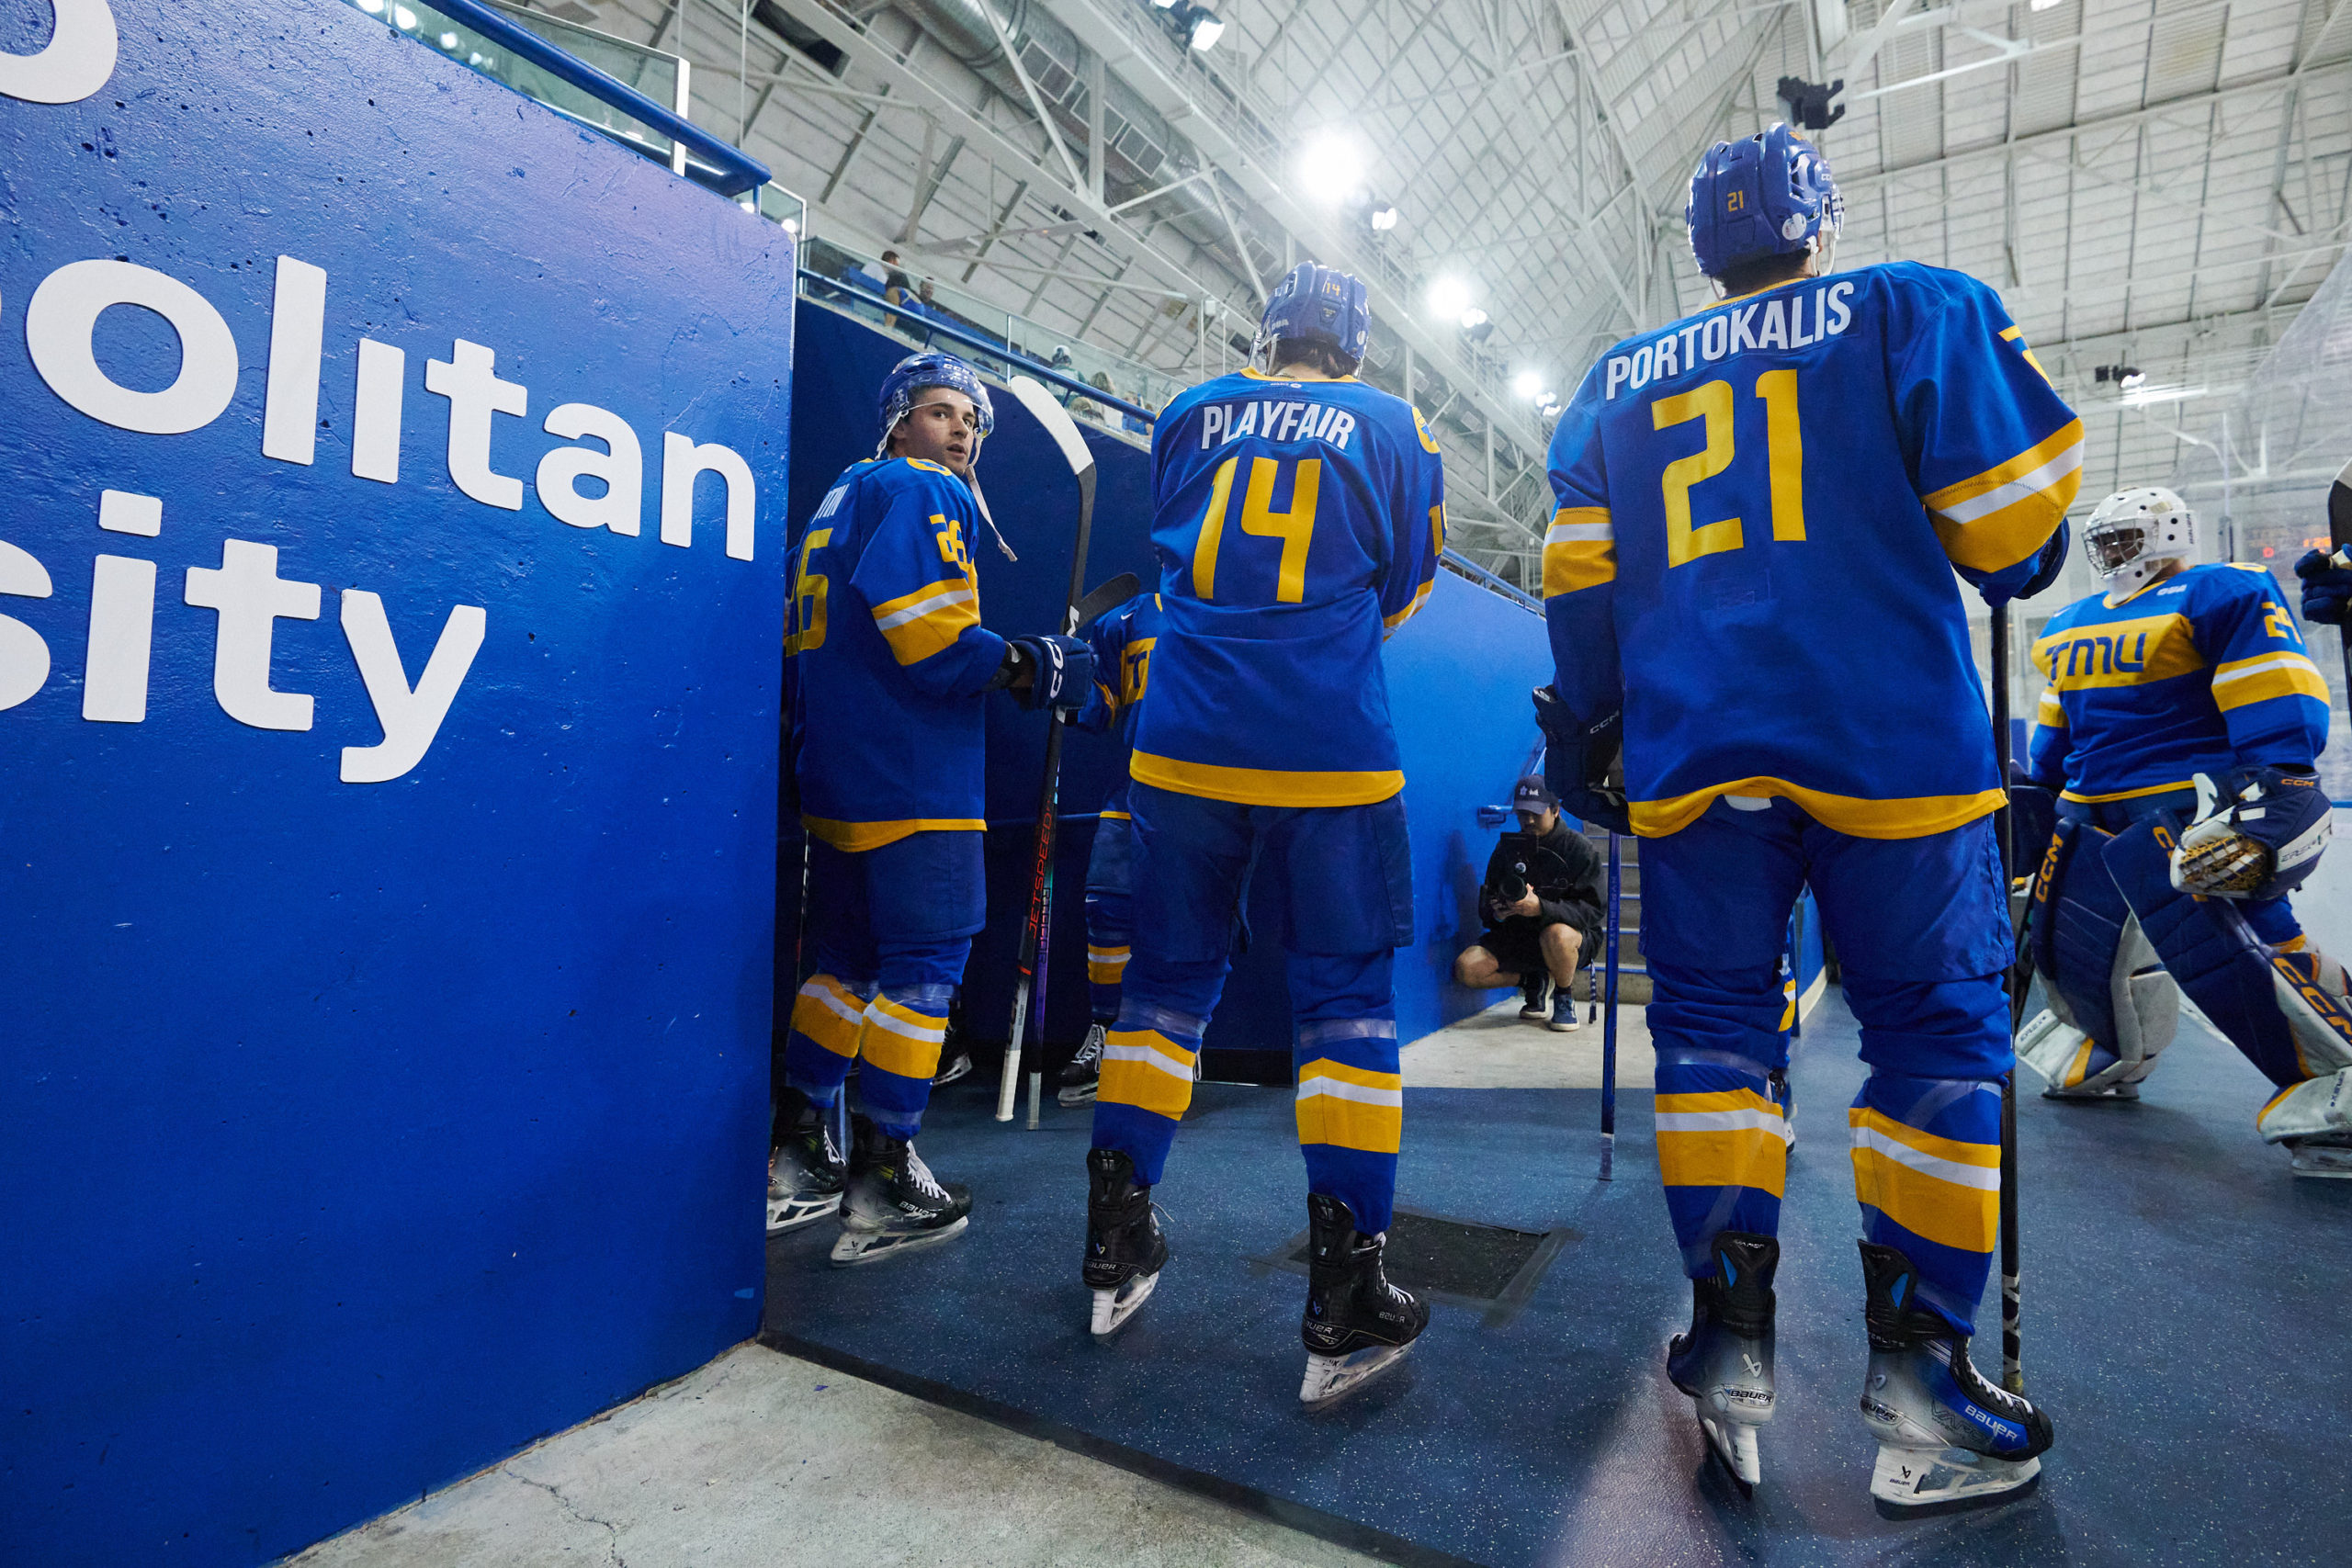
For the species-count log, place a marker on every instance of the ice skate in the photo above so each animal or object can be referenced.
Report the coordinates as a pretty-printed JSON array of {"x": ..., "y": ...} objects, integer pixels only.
[
  {"x": 1776, "y": 1085},
  {"x": 1946, "y": 1438},
  {"x": 1724, "y": 1362},
  {"x": 2322, "y": 1155},
  {"x": 1084, "y": 1074},
  {"x": 951, "y": 1067},
  {"x": 1531, "y": 1006},
  {"x": 1564, "y": 1012},
  {"x": 893, "y": 1204},
  {"x": 805, "y": 1168},
  {"x": 1124, "y": 1250},
  {"x": 1357, "y": 1323}
]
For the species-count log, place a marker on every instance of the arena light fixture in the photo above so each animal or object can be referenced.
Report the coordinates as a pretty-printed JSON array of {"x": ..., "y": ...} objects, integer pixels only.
[
  {"x": 403, "y": 18},
  {"x": 448, "y": 41},
  {"x": 1450, "y": 296},
  {"x": 1383, "y": 218},
  {"x": 1330, "y": 167},
  {"x": 1473, "y": 319},
  {"x": 1527, "y": 384},
  {"x": 1207, "y": 28}
]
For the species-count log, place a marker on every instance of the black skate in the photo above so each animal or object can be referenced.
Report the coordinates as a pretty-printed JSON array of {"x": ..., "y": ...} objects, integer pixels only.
[
  {"x": 1532, "y": 988},
  {"x": 1124, "y": 1251},
  {"x": 1946, "y": 1438},
  {"x": 1357, "y": 1323},
  {"x": 951, "y": 1067},
  {"x": 1725, "y": 1361},
  {"x": 893, "y": 1204},
  {"x": 805, "y": 1168},
  {"x": 1084, "y": 1074}
]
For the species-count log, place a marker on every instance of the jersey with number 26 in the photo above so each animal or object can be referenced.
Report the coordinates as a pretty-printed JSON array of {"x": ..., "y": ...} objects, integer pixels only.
[
  {"x": 1761, "y": 508},
  {"x": 1296, "y": 523}
]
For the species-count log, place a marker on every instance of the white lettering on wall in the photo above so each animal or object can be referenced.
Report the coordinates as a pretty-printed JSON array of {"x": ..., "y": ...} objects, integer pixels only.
[
  {"x": 78, "y": 60},
  {"x": 65, "y": 308},
  {"x": 24, "y": 657},
  {"x": 621, "y": 466},
  {"x": 251, "y": 597},
  {"x": 123, "y": 634},
  {"x": 376, "y": 413},
  {"x": 469, "y": 378},
  {"x": 298, "y": 319},
  {"x": 411, "y": 718},
  {"x": 681, "y": 463}
]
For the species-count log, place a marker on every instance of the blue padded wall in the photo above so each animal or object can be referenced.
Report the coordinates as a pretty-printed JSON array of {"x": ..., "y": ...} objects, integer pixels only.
[
  {"x": 359, "y": 1133},
  {"x": 1458, "y": 674}
]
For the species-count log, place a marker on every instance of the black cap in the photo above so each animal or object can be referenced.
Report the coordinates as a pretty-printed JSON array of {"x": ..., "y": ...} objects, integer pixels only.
[{"x": 1530, "y": 794}]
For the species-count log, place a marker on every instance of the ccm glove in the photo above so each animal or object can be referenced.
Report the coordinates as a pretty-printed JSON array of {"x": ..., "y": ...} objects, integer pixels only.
[
  {"x": 1062, "y": 671},
  {"x": 2258, "y": 833},
  {"x": 1577, "y": 760},
  {"x": 2327, "y": 588}
]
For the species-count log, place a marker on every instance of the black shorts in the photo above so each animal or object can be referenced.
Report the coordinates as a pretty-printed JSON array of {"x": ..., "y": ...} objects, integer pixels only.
[{"x": 1517, "y": 946}]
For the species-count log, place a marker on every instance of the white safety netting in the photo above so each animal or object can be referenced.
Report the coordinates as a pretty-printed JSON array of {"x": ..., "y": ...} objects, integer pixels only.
[{"x": 2257, "y": 468}]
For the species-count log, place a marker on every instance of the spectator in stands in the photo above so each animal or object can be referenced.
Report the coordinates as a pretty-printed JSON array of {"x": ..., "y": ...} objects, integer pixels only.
[
  {"x": 1542, "y": 905},
  {"x": 897, "y": 288}
]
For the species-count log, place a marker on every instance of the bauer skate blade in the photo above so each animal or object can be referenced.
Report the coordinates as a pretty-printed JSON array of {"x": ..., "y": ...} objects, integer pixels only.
[
  {"x": 860, "y": 1245},
  {"x": 2320, "y": 1159},
  {"x": 1331, "y": 1379},
  {"x": 1077, "y": 1093},
  {"x": 1734, "y": 1448},
  {"x": 1114, "y": 1306},
  {"x": 789, "y": 1213},
  {"x": 1910, "y": 1483}
]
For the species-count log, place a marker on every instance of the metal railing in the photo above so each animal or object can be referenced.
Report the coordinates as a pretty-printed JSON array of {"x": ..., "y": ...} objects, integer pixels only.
[{"x": 491, "y": 41}]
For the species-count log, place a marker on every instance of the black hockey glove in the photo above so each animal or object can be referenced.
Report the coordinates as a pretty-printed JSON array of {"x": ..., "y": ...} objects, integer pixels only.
[
  {"x": 2049, "y": 563},
  {"x": 1577, "y": 760},
  {"x": 2258, "y": 833},
  {"x": 1062, "y": 671},
  {"x": 2033, "y": 820},
  {"x": 2327, "y": 588}
]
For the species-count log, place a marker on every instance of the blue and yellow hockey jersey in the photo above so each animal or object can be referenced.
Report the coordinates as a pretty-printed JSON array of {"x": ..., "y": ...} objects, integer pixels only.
[
  {"x": 886, "y": 657},
  {"x": 1296, "y": 523},
  {"x": 1122, "y": 643},
  {"x": 2199, "y": 672},
  {"x": 1760, "y": 510}
]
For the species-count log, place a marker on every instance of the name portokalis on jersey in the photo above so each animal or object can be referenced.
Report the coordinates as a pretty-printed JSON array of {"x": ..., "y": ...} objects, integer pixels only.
[{"x": 1780, "y": 323}]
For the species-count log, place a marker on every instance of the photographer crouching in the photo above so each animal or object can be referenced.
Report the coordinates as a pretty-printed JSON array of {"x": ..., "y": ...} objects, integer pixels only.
[{"x": 1543, "y": 906}]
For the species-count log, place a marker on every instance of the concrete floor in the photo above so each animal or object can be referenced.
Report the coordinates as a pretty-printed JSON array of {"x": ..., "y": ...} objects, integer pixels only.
[
  {"x": 1497, "y": 1049},
  {"x": 762, "y": 1458}
]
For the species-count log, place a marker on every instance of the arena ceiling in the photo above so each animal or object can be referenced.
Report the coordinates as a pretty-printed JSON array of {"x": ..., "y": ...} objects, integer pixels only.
[{"x": 2150, "y": 184}]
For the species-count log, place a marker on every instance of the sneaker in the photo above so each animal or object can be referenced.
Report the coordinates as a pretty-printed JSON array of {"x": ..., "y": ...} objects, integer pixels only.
[
  {"x": 1564, "y": 1013},
  {"x": 1534, "y": 986}
]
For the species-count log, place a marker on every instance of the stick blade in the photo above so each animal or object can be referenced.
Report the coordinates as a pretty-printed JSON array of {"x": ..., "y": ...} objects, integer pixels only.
[
  {"x": 1105, "y": 598},
  {"x": 1050, "y": 414},
  {"x": 2340, "y": 508}
]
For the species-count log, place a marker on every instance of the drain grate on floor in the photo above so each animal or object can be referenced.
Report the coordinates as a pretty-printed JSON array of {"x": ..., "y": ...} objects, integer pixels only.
[{"x": 1489, "y": 1268}]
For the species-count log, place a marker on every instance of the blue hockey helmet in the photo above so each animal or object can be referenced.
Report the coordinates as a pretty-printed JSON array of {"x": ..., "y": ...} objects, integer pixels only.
[
  {"x": 1765, "y": 194},
  {"x": 1318, "y": 304},
  {"x": 918, "y": 372}
]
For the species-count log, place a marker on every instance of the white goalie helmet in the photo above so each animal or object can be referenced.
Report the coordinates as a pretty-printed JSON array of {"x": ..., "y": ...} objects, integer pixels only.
[{"x": 2135, "y": 531}]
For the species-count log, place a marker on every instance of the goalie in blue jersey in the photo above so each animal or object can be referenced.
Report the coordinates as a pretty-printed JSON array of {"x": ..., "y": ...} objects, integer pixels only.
[
  {"x": 1297, "y": 515},
  {"x": 2180, "y": 733},
  {"x": 1749, "y": 582}
]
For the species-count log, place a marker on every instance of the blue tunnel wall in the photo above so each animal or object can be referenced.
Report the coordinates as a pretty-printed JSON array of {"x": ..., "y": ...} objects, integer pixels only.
[
  {"x": 1458, "y": 674},
  {"x": 359, "y": 1133}
]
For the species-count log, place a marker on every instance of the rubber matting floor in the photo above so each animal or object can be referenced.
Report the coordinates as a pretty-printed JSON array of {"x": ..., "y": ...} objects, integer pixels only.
[{"x": 2184, "y": 1324}]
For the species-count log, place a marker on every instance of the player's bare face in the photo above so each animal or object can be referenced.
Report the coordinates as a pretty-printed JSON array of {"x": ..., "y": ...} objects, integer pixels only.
[{"x": 944, "y": 427}]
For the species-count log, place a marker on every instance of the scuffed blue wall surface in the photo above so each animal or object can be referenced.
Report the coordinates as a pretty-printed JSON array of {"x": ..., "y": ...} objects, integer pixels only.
[
  {"x": 356, "y": 1135},
  {"x": 1459, "y": 674}
]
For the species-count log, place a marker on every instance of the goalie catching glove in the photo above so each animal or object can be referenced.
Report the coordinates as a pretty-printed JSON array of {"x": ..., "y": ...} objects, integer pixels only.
[
  {"x": 2259, "y": 834},
  {"x": 1577, "y": 758}
]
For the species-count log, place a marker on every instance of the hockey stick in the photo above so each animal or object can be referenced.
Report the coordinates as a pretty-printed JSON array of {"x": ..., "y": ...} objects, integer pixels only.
[
  {"x": 2339, "y": 533},
  {"x": 1609, "y": 1014},
  {"x": 1036, "y": 930},
  {"x": 2012, "y": 1371}
]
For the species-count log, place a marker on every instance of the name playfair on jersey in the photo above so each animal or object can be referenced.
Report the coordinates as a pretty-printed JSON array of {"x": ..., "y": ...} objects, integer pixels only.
[{"x": 245, "y": 592}]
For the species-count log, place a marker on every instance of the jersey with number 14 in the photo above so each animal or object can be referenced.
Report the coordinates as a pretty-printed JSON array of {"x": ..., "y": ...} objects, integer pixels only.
[
  {"x": 1296, "y": 523},
  {"x": 1760, "y": 510}
]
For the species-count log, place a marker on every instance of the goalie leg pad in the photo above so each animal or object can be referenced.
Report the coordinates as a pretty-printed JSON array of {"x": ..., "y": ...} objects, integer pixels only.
[
  {"x": 2316, "y": 1108},
  {"x": 2271, "y": 1005},
  {"x": 2112, "y": 1009}
]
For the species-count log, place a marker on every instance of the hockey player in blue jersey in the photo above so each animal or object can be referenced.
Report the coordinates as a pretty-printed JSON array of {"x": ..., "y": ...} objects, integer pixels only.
[
  {"x": 1297, "y": 517},
  {"x": 2183, "y": 692},
  {"x": 1749, "y": 583},
  {"x": 889, "y": 665},
  {"x": 1121, "y": 642}
]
